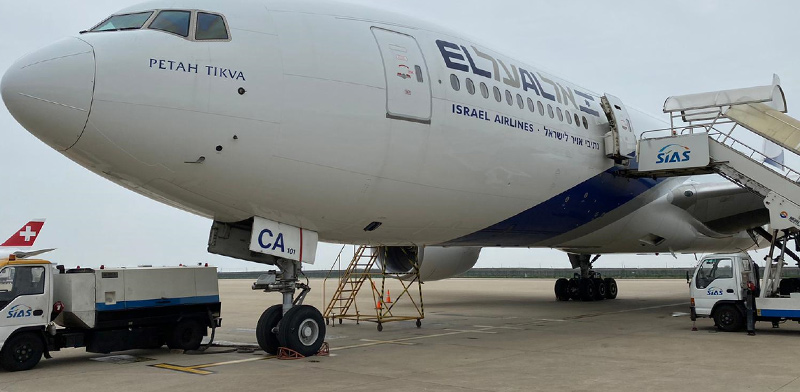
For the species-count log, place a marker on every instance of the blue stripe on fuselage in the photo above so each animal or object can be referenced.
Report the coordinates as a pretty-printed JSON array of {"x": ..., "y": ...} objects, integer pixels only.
[{"x": 567, "y": 211}]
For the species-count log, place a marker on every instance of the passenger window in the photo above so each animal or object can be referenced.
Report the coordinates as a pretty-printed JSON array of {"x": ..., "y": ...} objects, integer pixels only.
[
  {"x": 454, "y": 82},
  {"x": 577, "y": 121},
  {"x": 541, "y": 107},
  {"x": 712, "y": 269},
  {"x": 560, "y": 114},
  {"x": 176, "y": 22},
  {"x": 497, "y": 95},
  {"x": 568, "y": 116},
  {"x": 585, "y": 123},
  {"x": 484, "y": 90},
  {"x": 418, "y": 70},
  {"x": 470, "y": 86},
  {"x": 210, "y": 26},
  {"x": 124, "y": 22},
  {"x": 520, "y": 102},
  {"x": 550, "y": 111},
  {"x": 530, "y": 105},
  {"x": 509, "y": 98}
]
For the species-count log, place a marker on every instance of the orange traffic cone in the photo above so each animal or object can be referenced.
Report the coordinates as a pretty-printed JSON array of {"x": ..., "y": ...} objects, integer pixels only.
[
  {"x": 378, "y": 305},
  {"x": 388, "y": 297}
]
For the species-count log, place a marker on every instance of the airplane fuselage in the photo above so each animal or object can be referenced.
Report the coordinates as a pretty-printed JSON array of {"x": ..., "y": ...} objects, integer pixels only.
[{"x": 330, "y": 116}]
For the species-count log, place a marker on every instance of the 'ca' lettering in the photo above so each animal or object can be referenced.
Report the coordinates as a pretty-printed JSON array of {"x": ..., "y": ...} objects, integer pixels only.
[
  {"x": 261, "y": 238},
  {"x": 279, "y": 243}
]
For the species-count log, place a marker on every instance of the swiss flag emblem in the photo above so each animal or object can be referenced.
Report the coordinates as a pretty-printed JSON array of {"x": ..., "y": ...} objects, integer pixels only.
[{"x": 25, "y": 236}]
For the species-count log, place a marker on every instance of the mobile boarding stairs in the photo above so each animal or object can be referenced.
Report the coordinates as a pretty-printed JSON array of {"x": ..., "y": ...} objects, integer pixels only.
[{"x": 699, "y": 141}]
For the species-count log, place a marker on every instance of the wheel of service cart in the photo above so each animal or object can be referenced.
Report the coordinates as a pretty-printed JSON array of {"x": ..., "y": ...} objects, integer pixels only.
[
  {"x": 728, "y": 318},
  {"x": 419, "y": 323},
  {"x": 574, "y": 289},
  {"x": 587, "y": 289},
  {"x": 611, "y": 288},
  {"x": 599, "y": 289},
  {"x": 267, "y": 340},
  {"x": 380, "y": 327},
  {"x": 186, "y": 335},
  {"x": 302, "y": 330},
  {"x": 21, "y": 352},
  {"x": 562, "y": 289}
]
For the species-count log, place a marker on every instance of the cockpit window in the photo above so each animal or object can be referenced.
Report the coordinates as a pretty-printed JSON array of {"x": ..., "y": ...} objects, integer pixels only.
[
  {"x": 176, "y": 22},
  {"x": 210, "y": 26},
  {"x": 124, "y": 22}
]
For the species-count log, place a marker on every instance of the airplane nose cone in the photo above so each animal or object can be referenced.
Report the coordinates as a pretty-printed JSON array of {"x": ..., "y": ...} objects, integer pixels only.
[{"x": 50, "y": 91}]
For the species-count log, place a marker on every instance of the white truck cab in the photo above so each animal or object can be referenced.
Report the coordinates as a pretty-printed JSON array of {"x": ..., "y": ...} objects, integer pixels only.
[
  {"x": 25, "y": 296},
  {"x": 729, "y": 288}
]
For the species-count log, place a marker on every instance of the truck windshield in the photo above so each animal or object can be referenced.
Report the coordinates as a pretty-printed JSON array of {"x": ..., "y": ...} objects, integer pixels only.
[
  {"x": 20, "y": 280},
  {"x": 712, "y": 269}
]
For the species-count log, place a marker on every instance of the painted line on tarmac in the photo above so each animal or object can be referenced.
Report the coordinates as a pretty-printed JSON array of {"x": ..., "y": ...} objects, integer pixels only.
[
  {"x": 201, "y": 370},
  {"x": 582, "y": 316}
]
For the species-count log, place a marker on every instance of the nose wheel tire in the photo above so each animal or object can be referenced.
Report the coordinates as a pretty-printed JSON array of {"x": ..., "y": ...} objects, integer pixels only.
[
  {"x": 302, "y": 329},
  {"x": 268, "y": 340},
  {"x": 22, "y": 352}
]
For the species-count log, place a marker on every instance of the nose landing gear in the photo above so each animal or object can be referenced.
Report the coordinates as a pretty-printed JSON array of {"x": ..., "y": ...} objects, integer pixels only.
[{"x": 291, "y": 324}]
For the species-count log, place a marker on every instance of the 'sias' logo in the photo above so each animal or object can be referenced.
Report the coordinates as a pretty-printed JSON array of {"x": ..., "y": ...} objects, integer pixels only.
[
  {"x": 19, "y": 311},
  {"x": 673, "y": 153}
]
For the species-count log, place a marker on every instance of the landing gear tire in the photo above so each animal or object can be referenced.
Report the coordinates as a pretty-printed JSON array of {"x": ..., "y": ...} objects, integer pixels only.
[
  {"x": 611, "y": 288},
  {"x": 587, "y": 289},
  {"x": 267, "y": 340},
  {"x": 728, "y": 318},
  {"x": 186, "y": 335},
  {"x": 599, "y": 289},
  {"x": 22, "y": 352},
  {"x": 574, "y": 289},
  {"x": 302, "y": 329},
  {"x": 562, "y": 289}
]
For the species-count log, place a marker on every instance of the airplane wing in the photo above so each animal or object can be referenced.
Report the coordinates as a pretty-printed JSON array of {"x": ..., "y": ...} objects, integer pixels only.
[
  {"x": 725, "y": 208},
  {"x": 25, "y": 255}
]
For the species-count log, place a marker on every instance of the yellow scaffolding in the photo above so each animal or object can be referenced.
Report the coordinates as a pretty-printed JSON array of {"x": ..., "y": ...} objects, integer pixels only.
[{"x": 362, "y": 268}]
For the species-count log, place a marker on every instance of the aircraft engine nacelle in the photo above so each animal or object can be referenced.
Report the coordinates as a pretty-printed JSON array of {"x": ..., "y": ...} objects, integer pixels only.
[{"x": 435, "y": 262}]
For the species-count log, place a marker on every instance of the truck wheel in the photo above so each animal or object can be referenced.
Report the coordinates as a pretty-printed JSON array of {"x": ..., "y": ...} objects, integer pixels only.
[
  {"x": 302, "y": 329},
  {"x": 267, "y": 340},
  {"x": 611, "y": 288},
  {"x": 728, "y": 318},
  {"x": 22, "y": 352},
  {"x": 186, "y": 335},
  {"x": 562, "y": 289}
]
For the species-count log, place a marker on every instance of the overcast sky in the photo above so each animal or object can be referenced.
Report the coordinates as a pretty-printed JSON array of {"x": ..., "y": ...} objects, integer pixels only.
[{"x": 640, "y": 51}]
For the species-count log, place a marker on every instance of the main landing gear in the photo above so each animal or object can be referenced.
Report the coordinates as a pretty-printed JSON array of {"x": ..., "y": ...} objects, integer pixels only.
[
  {"x": 291, "y": 324},
  {"x": 587, "y": 285}
]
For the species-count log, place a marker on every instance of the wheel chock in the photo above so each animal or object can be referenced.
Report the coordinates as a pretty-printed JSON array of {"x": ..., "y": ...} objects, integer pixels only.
[{"x": 286, "y": 353}]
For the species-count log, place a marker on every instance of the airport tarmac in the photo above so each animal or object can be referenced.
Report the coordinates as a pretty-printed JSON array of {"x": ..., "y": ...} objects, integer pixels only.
[{"x": 477, "y": 335}]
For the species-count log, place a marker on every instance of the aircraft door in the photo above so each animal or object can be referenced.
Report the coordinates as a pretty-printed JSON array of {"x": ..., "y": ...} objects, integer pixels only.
[
  {"x": 408, "y": 86},
  {"x": 621, "y": 141}
]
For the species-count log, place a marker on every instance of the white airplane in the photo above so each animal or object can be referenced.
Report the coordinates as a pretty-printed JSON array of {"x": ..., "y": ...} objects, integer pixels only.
[
  {"x": 289, "y": 122},
  {"x": 22, "y": 240}
]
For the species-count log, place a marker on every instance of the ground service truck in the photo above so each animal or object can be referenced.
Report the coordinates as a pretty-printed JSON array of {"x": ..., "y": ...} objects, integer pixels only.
[
  {"x": 728, "y": 288},
  {"x": 46, "y": 308}
]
